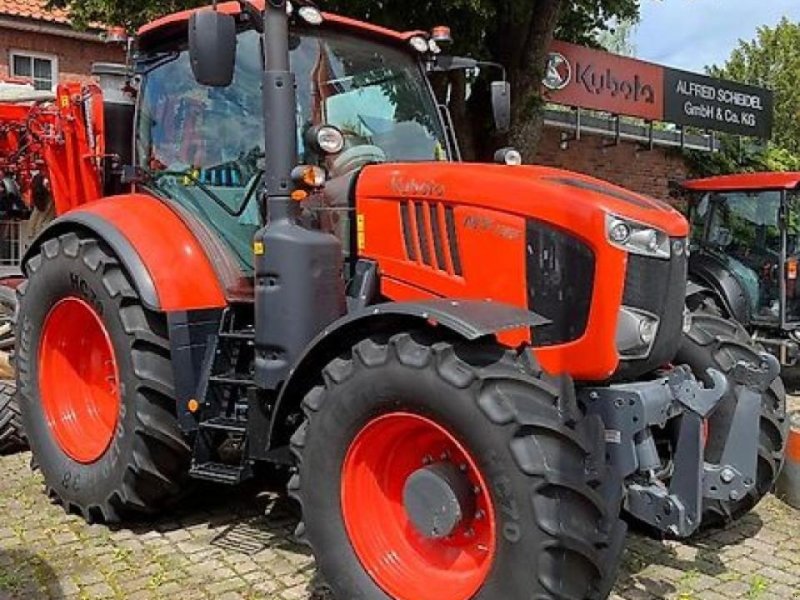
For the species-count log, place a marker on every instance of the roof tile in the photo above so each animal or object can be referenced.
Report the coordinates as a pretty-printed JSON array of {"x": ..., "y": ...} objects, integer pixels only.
[{"x": 33, "y": 9}]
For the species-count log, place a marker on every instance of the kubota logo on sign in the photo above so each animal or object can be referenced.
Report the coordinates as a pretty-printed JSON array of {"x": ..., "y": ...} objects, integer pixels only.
[
  {"x": 559, "y": 72},
  {"x": 598, "y": 80},
  {"x": 607, "y": 82}
]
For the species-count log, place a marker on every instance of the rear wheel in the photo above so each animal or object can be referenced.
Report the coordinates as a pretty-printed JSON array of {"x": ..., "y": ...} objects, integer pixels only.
[
  {"x": 432, "y": 470},
  {"x": 720, "y": 344},
  {"x": 95, "y": 384},
  {"x": 12, "y": 437},
  {"x": 8, "y": 304}
]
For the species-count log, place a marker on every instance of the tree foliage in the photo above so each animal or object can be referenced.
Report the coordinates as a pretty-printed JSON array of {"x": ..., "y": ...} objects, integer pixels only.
[
  {"x": 514, "y": 33},
  {"x": 771, "y": 60}
]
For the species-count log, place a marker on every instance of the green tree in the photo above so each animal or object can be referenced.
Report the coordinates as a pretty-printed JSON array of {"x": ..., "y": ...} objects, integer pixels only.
[
  {"x": 514, "y": 33},
  {"x": 771, "y": 60},
  {"x": 618, "y": 38}
]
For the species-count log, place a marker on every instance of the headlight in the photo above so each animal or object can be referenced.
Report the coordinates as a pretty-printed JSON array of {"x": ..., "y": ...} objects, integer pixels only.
[
  {"x": 637, "y": 238},
  {"x": 419, "y": 43},
  {"x": 636, "y": 333}
]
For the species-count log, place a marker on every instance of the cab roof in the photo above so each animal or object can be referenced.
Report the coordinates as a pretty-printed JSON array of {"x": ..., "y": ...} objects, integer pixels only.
[
  {"x": 176, "y": 23},
  {"x": 745, "y": 181}
]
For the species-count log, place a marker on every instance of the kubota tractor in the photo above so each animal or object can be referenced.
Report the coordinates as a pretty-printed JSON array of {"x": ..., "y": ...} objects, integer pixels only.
[
  {"x": 745, "y": 252},
  {"x": 470, "y": 370}
]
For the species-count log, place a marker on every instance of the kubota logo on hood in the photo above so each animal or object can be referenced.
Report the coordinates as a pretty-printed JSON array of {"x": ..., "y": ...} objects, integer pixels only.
[{"x": 412, "y": 187}]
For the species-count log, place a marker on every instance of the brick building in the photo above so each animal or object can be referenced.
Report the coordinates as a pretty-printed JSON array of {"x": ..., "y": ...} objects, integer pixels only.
[
  {"x": 41, "y": 47},
  {"x": 629, "y": 160}
]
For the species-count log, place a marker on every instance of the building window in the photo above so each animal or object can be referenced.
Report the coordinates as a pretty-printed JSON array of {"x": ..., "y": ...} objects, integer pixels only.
[{"x": 39, "y": 69}]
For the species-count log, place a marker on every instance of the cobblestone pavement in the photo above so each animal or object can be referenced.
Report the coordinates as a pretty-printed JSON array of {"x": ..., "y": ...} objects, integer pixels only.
[{"x": 231, "y": 546}]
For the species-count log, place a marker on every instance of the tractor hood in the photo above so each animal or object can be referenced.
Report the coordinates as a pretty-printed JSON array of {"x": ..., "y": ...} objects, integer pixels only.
[{"x": 529, "y": 191}]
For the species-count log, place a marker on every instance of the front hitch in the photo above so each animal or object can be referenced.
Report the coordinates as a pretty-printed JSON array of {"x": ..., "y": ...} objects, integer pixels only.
[
  {"x": 735, "y": 475},
  {"x": 630, "y": 412}
]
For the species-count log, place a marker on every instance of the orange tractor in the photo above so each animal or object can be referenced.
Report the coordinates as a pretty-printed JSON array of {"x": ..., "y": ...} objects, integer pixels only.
[{"x": 470, "y": 371}]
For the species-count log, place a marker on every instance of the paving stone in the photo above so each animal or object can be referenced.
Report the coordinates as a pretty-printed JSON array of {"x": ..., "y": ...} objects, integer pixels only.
[{"x": 220, "y": 546}]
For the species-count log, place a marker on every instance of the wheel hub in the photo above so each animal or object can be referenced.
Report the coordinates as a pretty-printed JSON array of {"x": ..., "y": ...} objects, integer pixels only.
[
  {"x": 437, "y": 499},
  {"x": 417, "y": 510},
  {"x": 78, "y": 380}
]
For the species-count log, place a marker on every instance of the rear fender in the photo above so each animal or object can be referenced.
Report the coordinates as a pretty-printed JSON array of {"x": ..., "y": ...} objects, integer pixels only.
[
  {"x": 168, "y": 265},
  {"x": 468, "y": 319},
  {"x": 706, "y": 270}
]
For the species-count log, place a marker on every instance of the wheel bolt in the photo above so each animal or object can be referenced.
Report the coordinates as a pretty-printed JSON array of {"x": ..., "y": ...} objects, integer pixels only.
[
  {"x": 727, "y": 475},
  {"x": 479, "y": 515},
  {"x": 462, "y": 468},
  {"x": 427, "y": 460}
]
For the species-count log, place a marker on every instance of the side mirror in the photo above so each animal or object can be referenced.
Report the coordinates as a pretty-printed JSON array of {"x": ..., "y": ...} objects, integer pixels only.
[
  {"x": 501, "y": 105},
  {"x": 212, "y": 47}
]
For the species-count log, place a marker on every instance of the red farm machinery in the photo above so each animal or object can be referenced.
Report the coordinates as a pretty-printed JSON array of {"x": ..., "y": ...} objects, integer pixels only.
[
  {"x": 52, "y": 160},
  {"x": 472, "y": 374}
]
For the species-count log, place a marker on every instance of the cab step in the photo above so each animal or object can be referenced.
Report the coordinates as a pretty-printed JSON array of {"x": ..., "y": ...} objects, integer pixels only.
[
  {"x": 231, "y": 426},
  {"x": 220, "y": 473}
]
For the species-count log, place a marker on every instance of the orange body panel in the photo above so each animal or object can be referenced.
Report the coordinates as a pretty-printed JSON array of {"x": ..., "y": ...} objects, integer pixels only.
[
  {"x": 489, "y": 205},
  {"x": 234, "y": 8},
  {"x": 745, "y": 181},
  {"x": 179, "y": 266}
]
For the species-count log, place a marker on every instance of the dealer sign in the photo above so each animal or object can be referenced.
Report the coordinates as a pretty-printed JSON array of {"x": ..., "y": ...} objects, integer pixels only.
[
  {"x": 597, "y": 80},
  {"x": 716, "y": 104}
]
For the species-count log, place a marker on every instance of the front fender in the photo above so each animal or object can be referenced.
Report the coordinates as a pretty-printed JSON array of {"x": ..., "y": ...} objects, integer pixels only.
[
  {"x": 468, "y": 319},
  {"x": 169, "y": 267}
]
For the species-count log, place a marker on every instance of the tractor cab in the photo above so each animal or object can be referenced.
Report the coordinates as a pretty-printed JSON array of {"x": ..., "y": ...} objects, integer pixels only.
[
  {"x": 745, "y": 246},
  {"x": 203, "y": 146}
]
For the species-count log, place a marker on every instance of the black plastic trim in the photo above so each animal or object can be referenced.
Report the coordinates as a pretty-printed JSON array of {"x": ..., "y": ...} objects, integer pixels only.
[
  {"x": 122, "y": 248},
  {"x": 405, "y": 219},
  {"x": 422, "y": 233},
  {"x": 469, "y": 319},
  {"x": 436, "y": 225},
  {"x": 452, "y": 236}
]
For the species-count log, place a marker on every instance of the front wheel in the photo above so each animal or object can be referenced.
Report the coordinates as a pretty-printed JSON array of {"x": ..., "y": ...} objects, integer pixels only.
[{"x": 431, "y": 470}]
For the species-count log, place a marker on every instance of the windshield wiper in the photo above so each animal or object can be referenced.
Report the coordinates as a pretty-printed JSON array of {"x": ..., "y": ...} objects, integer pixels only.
[{"x": 193, "y": 176}]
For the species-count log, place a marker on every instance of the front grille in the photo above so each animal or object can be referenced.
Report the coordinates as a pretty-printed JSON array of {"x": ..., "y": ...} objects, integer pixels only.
[
  {"x": 560, "y": 278},
  {"x": 658, "y": 287}
]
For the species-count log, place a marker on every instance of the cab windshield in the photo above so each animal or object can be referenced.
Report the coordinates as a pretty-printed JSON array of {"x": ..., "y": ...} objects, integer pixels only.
[{"x": 204, "y": 147}]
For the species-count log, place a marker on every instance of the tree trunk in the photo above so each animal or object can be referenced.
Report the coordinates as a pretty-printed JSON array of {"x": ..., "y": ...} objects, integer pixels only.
[{"x": 527, "y": 76}]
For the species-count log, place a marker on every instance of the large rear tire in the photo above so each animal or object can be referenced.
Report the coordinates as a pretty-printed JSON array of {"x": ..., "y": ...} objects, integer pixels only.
[
  {"x": 8, "y": 305},
  {"x": 541, "y": 523},
  {"x": 720, "y": 344},
  {"x": 95, "y": 385},
  {"x": 12, "y": 438}
]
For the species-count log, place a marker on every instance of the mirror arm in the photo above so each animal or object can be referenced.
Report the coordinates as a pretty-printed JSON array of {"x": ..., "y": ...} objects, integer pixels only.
[
  {"x": 254, "y": 15},
  {"x": 494, "y": 65}
]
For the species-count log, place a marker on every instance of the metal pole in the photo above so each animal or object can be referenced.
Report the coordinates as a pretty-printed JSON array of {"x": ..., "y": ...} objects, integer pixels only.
[{"x": 280, "y": 120}]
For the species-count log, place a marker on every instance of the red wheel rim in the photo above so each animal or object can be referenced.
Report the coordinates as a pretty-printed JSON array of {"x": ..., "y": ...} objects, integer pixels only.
[
  {"x": 404, "y": 563},
  {"x": 78, "y": 380}
]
